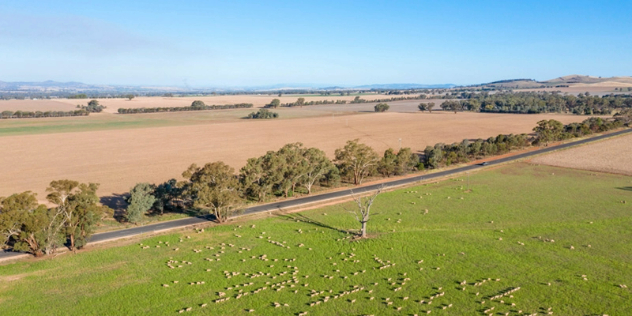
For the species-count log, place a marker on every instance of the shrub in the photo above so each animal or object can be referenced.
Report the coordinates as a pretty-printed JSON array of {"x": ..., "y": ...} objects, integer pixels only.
[
  {"x": 382, "y": 107},
  {"x": 263, "y": 114}
]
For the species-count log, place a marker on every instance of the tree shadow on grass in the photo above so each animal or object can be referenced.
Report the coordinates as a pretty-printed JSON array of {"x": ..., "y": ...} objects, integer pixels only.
[
  {"x": 625, "y": 188},
  {"x": 305, "y": 219}
]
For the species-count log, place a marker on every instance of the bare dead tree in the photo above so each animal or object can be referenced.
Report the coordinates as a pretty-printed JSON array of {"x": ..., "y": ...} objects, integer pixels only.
[{"x": 363, "y": 210}]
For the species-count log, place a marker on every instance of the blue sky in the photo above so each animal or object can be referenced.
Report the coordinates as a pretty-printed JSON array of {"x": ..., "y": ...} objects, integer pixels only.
[{"x": 246, "y": 43}]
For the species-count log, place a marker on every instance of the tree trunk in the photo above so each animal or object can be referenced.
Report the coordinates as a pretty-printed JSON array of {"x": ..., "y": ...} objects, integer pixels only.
[
  {"x": 363, "y": 230},
  {"x": 72, "y": 242}
]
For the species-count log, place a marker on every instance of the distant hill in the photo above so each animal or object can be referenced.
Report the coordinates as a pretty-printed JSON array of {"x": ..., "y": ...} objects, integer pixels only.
[
  {"x": 581, "y": 79},
  {"x": 50, "y": 85},
  {"x": 55, "y": 86},
  {"x": 565, "y": 81},
  {"x": 514, "y": 84}
]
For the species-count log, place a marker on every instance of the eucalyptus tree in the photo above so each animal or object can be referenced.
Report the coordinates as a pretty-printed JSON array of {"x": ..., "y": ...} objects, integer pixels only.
[
  {"x": 356, "y": 161},
  {"x": 214, "y": 187}
]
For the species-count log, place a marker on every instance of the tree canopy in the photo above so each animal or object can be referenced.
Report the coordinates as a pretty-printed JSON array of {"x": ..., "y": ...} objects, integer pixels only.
[
  {"x": 214, "y": 187},
  {"x": 356, "y": 161}
]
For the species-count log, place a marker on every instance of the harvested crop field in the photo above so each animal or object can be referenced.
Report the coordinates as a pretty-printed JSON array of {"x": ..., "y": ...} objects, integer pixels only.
[
  {"x": 114, "y": 104},
  {"x": 612, "y": 155},
  {"x": 120, "y": 158}
]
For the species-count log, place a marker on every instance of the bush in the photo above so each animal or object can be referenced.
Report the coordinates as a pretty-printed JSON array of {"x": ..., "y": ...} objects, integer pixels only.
[
  {"x": 263, "y": 114},
  {"x": 382, "y": 107},
  {"x": 198, "y": 103}
]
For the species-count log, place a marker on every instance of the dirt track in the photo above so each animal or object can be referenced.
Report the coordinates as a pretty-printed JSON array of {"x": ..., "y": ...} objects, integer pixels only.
[{"x": 120, "y": 158}]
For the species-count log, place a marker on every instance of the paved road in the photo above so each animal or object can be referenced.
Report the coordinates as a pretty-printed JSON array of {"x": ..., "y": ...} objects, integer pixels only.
[{"x": 327, "y": 196}]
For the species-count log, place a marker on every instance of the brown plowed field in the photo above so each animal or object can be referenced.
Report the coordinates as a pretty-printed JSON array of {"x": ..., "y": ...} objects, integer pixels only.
[
  {"x": 120, "y": 158},
  {"x": 612, "y": 156}
]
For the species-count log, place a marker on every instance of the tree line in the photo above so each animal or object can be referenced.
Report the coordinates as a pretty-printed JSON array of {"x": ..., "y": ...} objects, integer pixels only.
[
  {"x": 26, "y": 225},
  {"x": 41, "y": 114},
  {"x": 357, "y": 99},
  {"x": 195, "y": 106},
  {"x": 218, "y": 189},
  {"x": 541, "y": 102},
  {"x": 83, "y": 110}
]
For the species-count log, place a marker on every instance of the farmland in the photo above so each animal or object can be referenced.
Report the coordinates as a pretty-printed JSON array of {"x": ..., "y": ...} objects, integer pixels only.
[
  {"x": 564, "y": 251},
  {"x": 612, "y": 155},
  {"x": 114, "y": 104},
  {"x": 160, "y": 146}
]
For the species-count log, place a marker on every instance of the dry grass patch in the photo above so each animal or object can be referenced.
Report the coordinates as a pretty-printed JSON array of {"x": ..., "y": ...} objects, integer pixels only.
[{"x": 612, "y": 156}]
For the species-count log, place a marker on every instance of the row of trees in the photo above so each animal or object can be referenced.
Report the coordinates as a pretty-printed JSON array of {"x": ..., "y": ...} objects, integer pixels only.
[
  {"x": 216, "y": 188},
  {"x": 39, "y": 114},
  {"x": 263, "y": 114},
  {"x": 447, "y": 154},
  {"x": 195, "y": 106},
  {"x": 552, "y": 130},
  {"x": 302, "y": 102},
  {"x": 83, "y": 110},
  {"x": 544, "y": 102},
  {"x": 357, "y": 99},
  {"x": 26, "y": 225}
]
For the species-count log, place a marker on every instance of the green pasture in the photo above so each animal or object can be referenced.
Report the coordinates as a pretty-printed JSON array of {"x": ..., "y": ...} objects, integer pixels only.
[{"x": 558, "y": 239}]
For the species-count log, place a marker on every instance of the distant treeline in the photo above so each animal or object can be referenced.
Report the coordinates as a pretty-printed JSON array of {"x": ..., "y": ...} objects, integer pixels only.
[
  {"x": 302, "y": 102},
  {"x": 195, "y": 106},
  {"x": 359, "y": 100},
  {"x": 546, "y": 131},
  {"x": 83, "y": 110},
  {"x": 540, "y": 102},
  {"x": 40, "y": 114}
]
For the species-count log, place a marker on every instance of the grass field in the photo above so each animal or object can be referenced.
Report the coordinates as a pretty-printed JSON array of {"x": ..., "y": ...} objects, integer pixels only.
[
  {"x": 108, "y": 121},
  {"x": 459, "y": 240}
]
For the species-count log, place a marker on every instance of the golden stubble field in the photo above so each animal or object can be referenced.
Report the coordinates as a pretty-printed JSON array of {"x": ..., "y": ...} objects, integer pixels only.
[
  {"x": 612, "y": 156},
  {"x": 114, "y": 104},
  {"x": 120, "y": 158}
]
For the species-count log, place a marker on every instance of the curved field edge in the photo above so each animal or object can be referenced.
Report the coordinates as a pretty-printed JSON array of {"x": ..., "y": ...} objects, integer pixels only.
[{"x": 460, "y": 235}]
